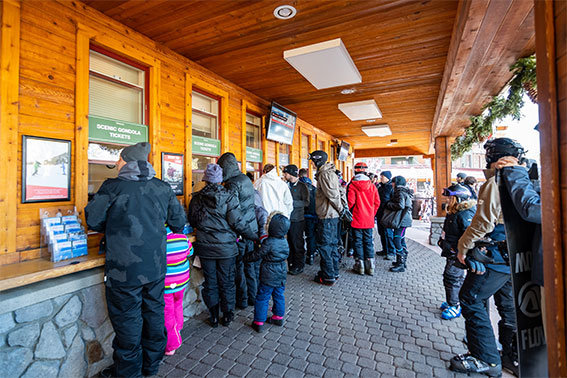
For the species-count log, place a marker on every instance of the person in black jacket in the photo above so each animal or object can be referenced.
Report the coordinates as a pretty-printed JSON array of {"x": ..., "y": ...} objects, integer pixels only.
[
  {"x": 469, "y": 183},
  {"x": 310, "y": 217},
  {"x": 385, "y": 191},
  {"x": 215, "y": 214},
  {"x": 246, "y": 274},
  {"x": 300, "y": 195},
  {"x": 401, "y": 202},
  {"x": 273, "y": 253},
  {"x": 460, "y": 212},
  {"x": 132, "y": 211}
]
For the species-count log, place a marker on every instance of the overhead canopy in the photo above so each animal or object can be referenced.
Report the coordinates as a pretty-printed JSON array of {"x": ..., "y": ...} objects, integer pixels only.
[{"x": 429, "y": 65}]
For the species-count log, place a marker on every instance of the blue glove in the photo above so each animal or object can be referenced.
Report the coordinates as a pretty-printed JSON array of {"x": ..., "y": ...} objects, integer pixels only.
[{"x": 475, "y": 266}]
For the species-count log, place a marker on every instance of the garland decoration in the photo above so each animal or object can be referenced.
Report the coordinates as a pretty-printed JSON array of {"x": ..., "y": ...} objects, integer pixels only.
[{"x": 523, "y": 81}]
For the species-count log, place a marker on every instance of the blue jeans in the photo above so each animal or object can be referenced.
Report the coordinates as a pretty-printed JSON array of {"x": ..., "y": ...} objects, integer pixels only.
[
  {"x": 387, "y": 240},
  {"x": 400, "y": 240},
  {"x": 263, "y": 301},
  {"x": 328, "y": 249},
  {"x": 363, "y": 246}
]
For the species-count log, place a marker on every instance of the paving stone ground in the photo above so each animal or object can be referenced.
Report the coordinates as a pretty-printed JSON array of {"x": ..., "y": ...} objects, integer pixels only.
[{"x": 385, "y": 325}]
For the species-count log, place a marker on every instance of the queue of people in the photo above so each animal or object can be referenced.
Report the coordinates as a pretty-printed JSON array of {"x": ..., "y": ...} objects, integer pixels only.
[{"x": 249, "y": 236}]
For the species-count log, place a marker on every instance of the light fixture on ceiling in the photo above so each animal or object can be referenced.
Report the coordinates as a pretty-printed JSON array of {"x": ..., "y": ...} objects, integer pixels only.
[
  {"x": 360, "y": 110},
  {"x": 393, "y": 142},
  {"x": 370, "y": 120},
  {"x": 325, "y": 65},
  {"x": 377, "y": 130},
  {"x": 285, "y": 12},
  {"x": 348, "y": 91}
]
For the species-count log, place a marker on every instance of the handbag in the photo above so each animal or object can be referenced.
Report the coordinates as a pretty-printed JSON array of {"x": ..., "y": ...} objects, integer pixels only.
[{"x": 391, "y": 218}]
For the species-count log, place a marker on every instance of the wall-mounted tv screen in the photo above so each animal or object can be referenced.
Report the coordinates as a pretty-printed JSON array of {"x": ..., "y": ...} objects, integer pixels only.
[
  {"x": 281, "y": 124},
  {"x": 343, "y": 151}
]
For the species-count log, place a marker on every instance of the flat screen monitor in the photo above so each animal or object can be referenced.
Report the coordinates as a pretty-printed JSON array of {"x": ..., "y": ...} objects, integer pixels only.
[
  {"x": 281, "y": 125},
  {"x": 343, "y": 151}
]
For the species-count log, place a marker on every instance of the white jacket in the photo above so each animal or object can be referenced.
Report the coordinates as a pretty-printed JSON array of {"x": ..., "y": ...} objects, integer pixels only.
[{"x": 275, "y": 193}]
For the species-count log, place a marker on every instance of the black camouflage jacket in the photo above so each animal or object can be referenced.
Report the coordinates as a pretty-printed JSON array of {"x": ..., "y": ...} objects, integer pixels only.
[{"x": 132, "y": 211}]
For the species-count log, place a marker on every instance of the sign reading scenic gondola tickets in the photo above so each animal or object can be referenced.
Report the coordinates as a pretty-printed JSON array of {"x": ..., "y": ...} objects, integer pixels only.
[
  {"x": 109, "y": 130},
  {"x": 281, "y": 125},
  {"x": 253, "y": 155},
  {"x": 205, "y": 146}
]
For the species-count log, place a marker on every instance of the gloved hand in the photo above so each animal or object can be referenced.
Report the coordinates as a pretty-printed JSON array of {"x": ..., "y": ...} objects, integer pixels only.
[{"x": 475, "y": 266}]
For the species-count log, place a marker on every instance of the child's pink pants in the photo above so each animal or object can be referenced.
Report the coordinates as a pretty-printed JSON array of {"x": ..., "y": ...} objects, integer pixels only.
[{"x": 173, "y": 319}]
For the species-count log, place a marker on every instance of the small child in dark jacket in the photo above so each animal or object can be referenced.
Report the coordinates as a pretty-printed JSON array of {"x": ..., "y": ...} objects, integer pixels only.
[
  {"x": 460, "y": 212},
  {"x": 273, "y": 271}
]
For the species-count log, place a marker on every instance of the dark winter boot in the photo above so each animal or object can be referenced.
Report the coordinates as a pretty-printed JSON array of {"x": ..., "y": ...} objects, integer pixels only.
[
  {"x": 309, "y": 259},
  {"x": 214, "y": 318},
  {"x": 258, "y": 327},
  {"x": 227, "y": 318},
  {"x": 401, "y": 267},
  {"x": 398, "y": 260},
  {"x": 369, "y": 266},
  {"x": 358, "y": 267}
]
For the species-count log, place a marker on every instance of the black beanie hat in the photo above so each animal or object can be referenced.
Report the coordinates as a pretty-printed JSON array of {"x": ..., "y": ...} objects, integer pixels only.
[
  {"x": 399, "y": 181},
  {"x": 318, "y": 157},
  {"x": 291, "y": 169},
  {"x": 137, "y": 152}
]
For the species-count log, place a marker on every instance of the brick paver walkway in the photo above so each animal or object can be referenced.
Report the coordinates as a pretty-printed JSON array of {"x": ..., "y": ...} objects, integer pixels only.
[{"x": 385, "y": 325}]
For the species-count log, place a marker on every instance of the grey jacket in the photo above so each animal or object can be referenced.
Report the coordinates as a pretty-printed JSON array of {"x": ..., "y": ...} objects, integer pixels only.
[{"x": 328, "y": 202}]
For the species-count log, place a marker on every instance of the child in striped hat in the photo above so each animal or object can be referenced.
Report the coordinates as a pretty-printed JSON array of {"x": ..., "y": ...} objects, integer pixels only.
[{"x": 178, "y": 249}]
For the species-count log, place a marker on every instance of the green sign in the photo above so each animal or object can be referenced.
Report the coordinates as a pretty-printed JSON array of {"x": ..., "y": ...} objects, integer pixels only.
[
  {"x": 113, "y": 131},
  {"x": 206, "y": 146},
  {"x": 253, "y": 155}
]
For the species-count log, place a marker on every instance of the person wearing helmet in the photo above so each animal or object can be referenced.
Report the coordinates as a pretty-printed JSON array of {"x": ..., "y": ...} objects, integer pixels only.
[
  {"x": 460, "y": 211},
  {"x": 461, "y": 178},
  {"x": 485, "y": 280},
  {"x": 360, "y": 167},
  {"x": 329, "y": 207}
]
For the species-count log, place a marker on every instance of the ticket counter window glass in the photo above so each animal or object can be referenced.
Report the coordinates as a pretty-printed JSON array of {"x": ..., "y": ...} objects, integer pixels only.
[
  {"x": 116, "y": 91},
  {"x": 321, "y": 145},
  {"x": 253, "y": 125},
  {"x": 304, "y": 151},
  {"x": 204, "y": 121},
  {"x": 284, "y": 155}
]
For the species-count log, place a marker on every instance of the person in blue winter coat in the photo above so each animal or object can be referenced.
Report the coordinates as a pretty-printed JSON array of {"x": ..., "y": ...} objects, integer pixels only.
[
  {"x": 460, "y": 212},
  {"x": 273, "y": 272}
]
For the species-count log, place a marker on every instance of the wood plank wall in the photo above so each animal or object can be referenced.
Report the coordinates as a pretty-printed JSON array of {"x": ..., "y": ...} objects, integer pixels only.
[
  {"x": 51, "y": 102},
  {"x": 551, "y": 52}
]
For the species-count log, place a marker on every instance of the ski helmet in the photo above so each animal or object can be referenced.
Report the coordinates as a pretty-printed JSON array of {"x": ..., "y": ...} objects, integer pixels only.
[
  {"x": 501, "y": 147},
  {"x": 319, "y": 158},
  {"x": 458, "y": 191},
  {"x": 360, "y": 167}
]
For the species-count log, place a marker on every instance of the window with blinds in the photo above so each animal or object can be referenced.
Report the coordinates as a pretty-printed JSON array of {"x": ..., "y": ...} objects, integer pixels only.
[
  {"x": 204, "y": 120},
  {"x": 253, "y": 124},
  {"x": 304, "y": 151}
]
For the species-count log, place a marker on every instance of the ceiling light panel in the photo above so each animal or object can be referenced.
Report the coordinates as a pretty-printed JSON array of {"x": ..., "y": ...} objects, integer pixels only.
[
  {"x": 377, "y": 130},
  {"x": 360, "y": 110},
  {"x": 325, "y": 65}
]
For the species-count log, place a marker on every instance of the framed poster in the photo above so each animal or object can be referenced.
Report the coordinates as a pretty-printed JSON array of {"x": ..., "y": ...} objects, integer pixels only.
[
  {"x": 172, "y": 171},
  {"x": 46, "y": 169}
]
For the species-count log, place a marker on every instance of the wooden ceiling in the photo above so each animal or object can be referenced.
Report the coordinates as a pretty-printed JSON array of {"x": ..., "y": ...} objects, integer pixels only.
[{"x": 399, "y": 46}]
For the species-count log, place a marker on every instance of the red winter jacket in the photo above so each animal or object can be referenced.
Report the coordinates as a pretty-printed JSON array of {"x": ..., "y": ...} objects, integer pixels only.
[{"x": 363, "y": 200}]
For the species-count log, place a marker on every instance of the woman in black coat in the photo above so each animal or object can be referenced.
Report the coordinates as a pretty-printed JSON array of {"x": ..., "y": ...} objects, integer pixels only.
[
  {"x": 401, "y": 202},
  {"x": 215, "y": 213}
]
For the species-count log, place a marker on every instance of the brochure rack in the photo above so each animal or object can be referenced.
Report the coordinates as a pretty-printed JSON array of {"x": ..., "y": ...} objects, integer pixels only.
[{"x": 62, "y": 235}]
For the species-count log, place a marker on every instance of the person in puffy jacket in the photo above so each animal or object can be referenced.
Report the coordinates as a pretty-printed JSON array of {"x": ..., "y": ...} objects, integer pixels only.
[
  {"x": 216, "y": 216},
  {"x": 363, "y": 201},
  {"x": 132, "y": 211},
  {"x": 385, "y": 191},
  {"x": 401, "y": 202},
  {"x": 310, "y": 217},
  {"x": 236, "y": 181},
  {"x": 273, "y": 271},
  {"x": 460, "y": 212}
]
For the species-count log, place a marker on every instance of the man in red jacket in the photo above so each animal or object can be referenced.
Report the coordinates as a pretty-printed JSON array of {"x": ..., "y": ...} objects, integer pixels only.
[{"x": 363, "y": 201}]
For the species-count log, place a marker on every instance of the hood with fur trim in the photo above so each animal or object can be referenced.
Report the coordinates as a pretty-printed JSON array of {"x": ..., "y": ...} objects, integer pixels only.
[{"x": 461, "y": 206}]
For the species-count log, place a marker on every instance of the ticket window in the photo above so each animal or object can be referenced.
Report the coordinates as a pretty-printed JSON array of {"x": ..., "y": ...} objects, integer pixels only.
[
  {"x": 284, "y": 155},
  {"x": 253, "y": 138},
  {"x": 117, "y": 91},
  {"x": 305, "y": 152},
  {"x": 205, "y": 124}
]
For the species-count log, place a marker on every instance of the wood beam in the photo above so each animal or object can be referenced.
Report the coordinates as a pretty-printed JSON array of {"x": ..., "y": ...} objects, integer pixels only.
[
  {"x": 550, "y": 49},
  {"x": 391, "y": 151},
  {"x": 442, "y": 172},
  {"x": 9, "y": 108}
]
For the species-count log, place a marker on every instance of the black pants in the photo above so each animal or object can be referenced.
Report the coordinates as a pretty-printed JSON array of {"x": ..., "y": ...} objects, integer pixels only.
[
  {"x": 474, "y": 295},
  {"x": 251, "y": 274},
  {"x": 453, "y": 279},
  {"x": 362, "y": 243},
  {"x": 240, "y": 276},
  {"x": 327, "y": 234},
  {"x": 296, "y": 243},
  {"x": 387, "y": 240},
  {"x": 310, "y": 227},
  {"x": 219, "y": 283},
  {"x": 137, "y": 316}
]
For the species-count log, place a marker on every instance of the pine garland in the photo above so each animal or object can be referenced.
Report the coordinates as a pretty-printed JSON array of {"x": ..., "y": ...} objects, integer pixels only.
[{"x": 523, "y": 81}]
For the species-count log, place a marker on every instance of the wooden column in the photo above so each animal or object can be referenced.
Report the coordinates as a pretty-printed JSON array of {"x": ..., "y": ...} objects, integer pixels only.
[
  {"x": 9, "y": 89},
  {"x": 442, "y": 171},
  {"x": 551, "y": 51}
]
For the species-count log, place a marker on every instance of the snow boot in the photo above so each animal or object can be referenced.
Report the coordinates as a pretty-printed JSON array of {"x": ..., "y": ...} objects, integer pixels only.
[
  {"x": 369, "y": 267},
  {"x": 214, "y": 318},
  {"x": 358, "y": 267},
  {"x": 227, "y": 318},
  {"x": 466, "y": 363},
  {"x": 401, "y": 267}
]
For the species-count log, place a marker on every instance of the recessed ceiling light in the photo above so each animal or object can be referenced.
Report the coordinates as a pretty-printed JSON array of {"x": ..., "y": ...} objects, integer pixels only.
[
  {"x": 325, "y": 65},
  {"x": 377, "y": 130},
  {"x": 285, "y": 12},
  {"x": 370, "y": 120},
  {"x": 348, "y": 91},
  {"x": 393, "y": 142},
  {"x": 360, "y": 110}
]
